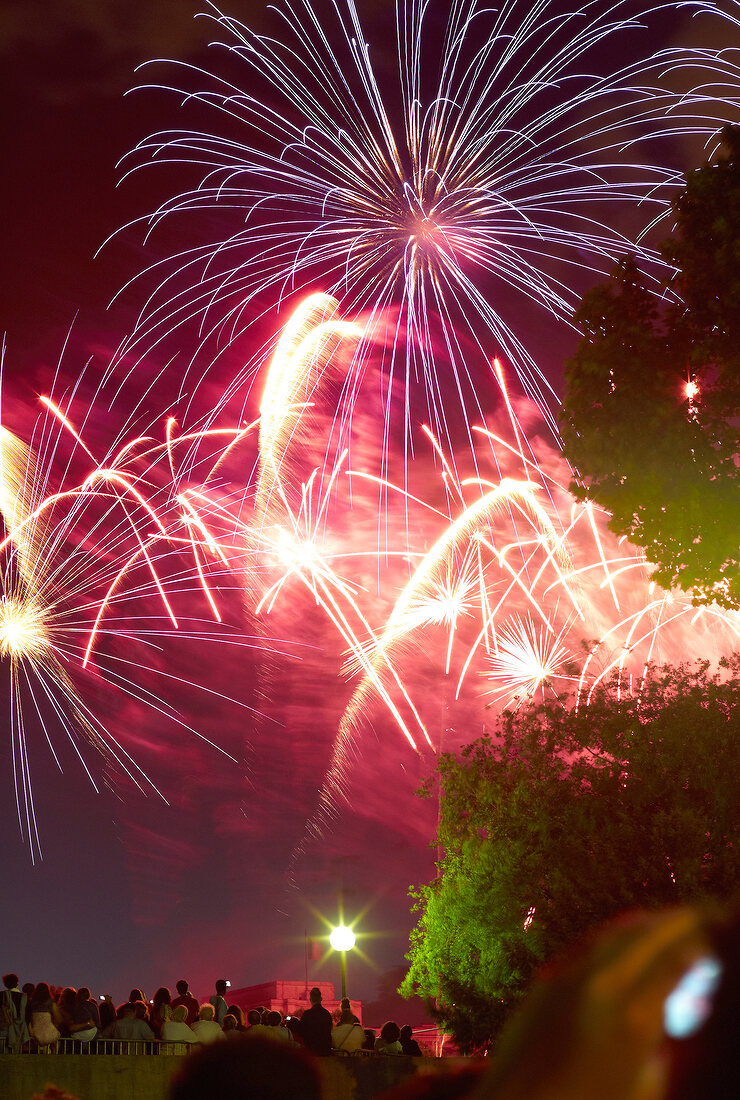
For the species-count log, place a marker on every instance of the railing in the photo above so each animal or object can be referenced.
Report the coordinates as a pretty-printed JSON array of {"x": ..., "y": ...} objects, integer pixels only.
[
  {"x": 97, "y": 1046},
  {"x": 137, "y": 1046}
]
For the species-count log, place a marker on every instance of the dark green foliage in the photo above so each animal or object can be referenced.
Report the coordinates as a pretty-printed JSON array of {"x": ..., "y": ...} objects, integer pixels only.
[
  {"x": 667, "y": 469},
  {"x": 577, "y": 813}
]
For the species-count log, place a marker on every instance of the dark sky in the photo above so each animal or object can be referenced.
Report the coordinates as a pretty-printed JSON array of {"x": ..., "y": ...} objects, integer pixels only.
[
  {"x": 131, "y": 891},
  {"x": 66, "y": 124}
]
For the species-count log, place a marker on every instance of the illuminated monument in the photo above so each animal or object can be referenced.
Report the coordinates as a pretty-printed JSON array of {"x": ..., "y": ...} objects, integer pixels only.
[{"x": 290, "y": 998}]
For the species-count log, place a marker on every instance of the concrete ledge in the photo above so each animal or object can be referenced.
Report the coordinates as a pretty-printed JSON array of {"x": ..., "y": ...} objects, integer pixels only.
[
  {"x": 147, "y": 1077},
  {"x": 91, "y": 1077}
]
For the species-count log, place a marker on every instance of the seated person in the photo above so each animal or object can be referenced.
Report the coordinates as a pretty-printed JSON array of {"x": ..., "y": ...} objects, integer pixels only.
[
  {"x": 409, "y": 1046},
  {"x": 127, "y": 1026},
  {"x": 82, "y": 1016},
  {"x": 236, "y": 1012},
  {"x": 45, "y": 1016},
  {"x": 348, "y": 1035},
  {"x": 345, "y": 1006},
  {"x": 84, "y": 998},
  {"x": 256, "y": 1028},
  {"x": 176, "y": 1030},
  {"x": 107, "y": 1011},
  {"x": 205, "y": 1029},
  {"x": 388, "y": 1042},
  {"x": 230, "y": 1026},
  {"x": 275, "y": 1027}
]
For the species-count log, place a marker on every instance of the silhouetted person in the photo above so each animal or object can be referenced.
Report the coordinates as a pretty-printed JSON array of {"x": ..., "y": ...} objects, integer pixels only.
[
  {"x": 13, "y": 1005},
  {"x": 388, "y": 1042},
  {"x": 409, "y": 1045},
  {"x": 84, "y": 1020},
  {"x": 598, "y": 1022},
  {"x": 84, "y": 998},
  {"x": 255, "y": 1028},
  {"x": 238, "y": 1014},
  {"x": 241, "y": 1070},
  {"x": 316, "y": 1025},
  {"x": 219, "y": 1001},
  {"x": 276, "y": 1028},
  {"x": 45, "y": 1017},
  {"x": 230, "y": 1027},
  {"x": 185, "y": 997},
  {"x": 161, "y": 1010},
  {"x": 127, "y": 1026},
  {"x": 348, "y": 1035},
  {"x": 346, "y": 1007},
  {"x": 107, "y": 1011},
  {"x": 455, "y": 1084}
]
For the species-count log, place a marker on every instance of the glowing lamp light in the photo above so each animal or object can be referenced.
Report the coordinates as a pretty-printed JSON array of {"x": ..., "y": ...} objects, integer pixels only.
[{"x": 342, "y": 938}]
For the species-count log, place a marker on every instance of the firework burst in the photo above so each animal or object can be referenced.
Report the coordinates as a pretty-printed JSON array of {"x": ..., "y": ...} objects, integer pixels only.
[
  {"x": 488, "y": 173},
  {"x": 96, "y": 558},
  {"x": 524, "y": 591},
  {"x": 528, "y": 660}
]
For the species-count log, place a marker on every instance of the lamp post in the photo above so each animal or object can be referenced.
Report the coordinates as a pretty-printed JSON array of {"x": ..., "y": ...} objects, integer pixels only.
[{"x": 342, "y": 939}]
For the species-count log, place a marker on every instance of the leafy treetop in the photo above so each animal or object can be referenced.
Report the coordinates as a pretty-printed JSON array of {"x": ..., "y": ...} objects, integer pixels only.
[
  {"x": 569, "y": 816},
  {"x": 663, "y": 458}
]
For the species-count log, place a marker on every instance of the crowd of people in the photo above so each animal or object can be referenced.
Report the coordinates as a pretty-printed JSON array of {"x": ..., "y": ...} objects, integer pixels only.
[
  {"x": 644, "y": 1009},
  {"x": 38, "y": 1016}
]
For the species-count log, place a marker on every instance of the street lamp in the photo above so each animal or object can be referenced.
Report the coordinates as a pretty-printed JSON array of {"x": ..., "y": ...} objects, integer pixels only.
[{"x": 342, "y": 939}]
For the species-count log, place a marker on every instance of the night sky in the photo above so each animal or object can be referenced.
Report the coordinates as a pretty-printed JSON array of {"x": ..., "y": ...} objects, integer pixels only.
[{"x": 133, "y": 892}]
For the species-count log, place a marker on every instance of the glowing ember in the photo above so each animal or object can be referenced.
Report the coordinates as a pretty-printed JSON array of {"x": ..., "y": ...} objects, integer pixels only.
[{"x": 22, "y": 630}]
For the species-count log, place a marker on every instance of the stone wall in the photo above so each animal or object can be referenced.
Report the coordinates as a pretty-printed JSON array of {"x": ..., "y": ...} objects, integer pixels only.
[
  {"x": 146, "y": 1077},
  {"x": 90, "y": 1077}
]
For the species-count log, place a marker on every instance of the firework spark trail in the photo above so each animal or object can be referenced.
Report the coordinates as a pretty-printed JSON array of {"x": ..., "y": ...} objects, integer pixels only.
[
  {"x": 451, "y": 581},
  {"x": 71, "y": 577},
  {"x": 491, "y": 178},
  {"x": 33, "y": 638},
  {"x": 303, "y": 354},
  {"x": 290, "y": 540},
  {"x": 439, "y": 575},
  {"x": 531, "y": 574},
  {"x": 276, "y": 532},
  {"x": 522, "y": 561},
  {"x": 526, "y": 658},
  {"x": 506, "y": 586},
  {"x": 16, "y": 469},
  {"x": 452, "y": 574}
]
